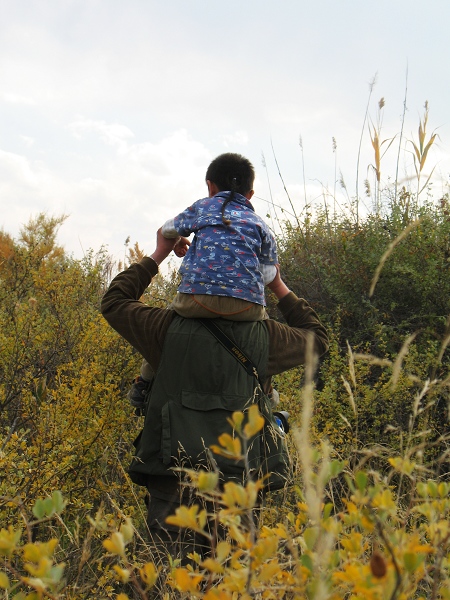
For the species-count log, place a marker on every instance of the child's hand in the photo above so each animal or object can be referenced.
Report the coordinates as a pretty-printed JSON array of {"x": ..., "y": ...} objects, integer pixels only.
[{"x": 181, "y": 247}]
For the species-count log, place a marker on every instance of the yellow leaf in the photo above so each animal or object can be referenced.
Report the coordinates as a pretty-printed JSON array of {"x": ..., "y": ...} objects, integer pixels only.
[
  {"x": 412, "y": 561},
  {"x": 353, "y": 543},
  {"x": 236, "y": 420},
  {"x": 188, "y": 517},
  {"x": 9, "y": 538},
  {"x": 213, "y": 566},
  {"x": 279, "y": 530},
  {"x": 37, "y": 584},
  {"x": 207, "y": 481},
  {"x": 127, "y": 530},
  {"x": 264, "y": 549},
  {"x": 229, "y": 446},
  {"x": 255, "y": 421},
  {"x": 115, "y": 544},
  {"x": 123, "y": 575},
  {"x": 237, "y": 535},
  {"x": 4, "y": 581},
  {"x": 351, "y": 507},
  {"x": 34, "y": 552},
  {"x": 367, "y": 524},
  {"x": 222, "y": 551},
  {"x": 234, "y": 495},
  {"x": 269, "y": 571},
  {"x": 149, "y": 574},
  {"x": 186, "y": 581},
  {"x": 40, "y": 569},
  {"x": 402, "y": 465},
  {"x": 215, "y": 594},
  {"x": 384, "y": 500}
]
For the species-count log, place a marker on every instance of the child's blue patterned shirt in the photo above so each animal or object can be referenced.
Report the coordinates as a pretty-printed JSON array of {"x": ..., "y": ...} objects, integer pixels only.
[{"x": 223, "y": 260}]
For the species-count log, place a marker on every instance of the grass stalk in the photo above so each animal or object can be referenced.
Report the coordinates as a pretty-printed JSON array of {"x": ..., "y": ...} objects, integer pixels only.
[
  {"x": 371, "y": 86},
  {"x": 401, "y": 136}
]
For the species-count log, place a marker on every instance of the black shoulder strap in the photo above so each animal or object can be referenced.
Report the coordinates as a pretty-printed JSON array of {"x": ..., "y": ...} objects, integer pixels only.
[{"x": 232, "y": 348}]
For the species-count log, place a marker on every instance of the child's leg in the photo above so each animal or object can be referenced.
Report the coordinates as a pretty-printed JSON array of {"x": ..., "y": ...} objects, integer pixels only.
[
  {"x": 147, "y": 372},
  {"x": 140, "y": 386},
  {"x": 204, "y": 306}
]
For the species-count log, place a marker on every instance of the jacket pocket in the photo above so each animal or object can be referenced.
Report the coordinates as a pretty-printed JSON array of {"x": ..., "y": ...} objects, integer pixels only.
[{"x": 190, "y": 428}]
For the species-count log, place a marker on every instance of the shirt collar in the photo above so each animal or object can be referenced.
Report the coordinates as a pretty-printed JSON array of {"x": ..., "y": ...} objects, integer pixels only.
[{"x": 239, "y": 198}]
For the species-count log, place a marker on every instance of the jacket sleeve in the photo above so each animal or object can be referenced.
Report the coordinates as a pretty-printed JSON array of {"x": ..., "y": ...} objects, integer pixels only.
[
  {"x": 144, "y": 327},
  {"x": 290, "y": 344}
]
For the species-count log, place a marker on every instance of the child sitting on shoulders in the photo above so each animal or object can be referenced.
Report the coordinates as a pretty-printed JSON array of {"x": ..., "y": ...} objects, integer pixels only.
[{"x": 233, "y": 253}]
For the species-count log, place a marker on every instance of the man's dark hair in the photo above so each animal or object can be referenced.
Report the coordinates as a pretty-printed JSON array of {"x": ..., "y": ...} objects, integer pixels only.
[{"x": 231, "y": 172}]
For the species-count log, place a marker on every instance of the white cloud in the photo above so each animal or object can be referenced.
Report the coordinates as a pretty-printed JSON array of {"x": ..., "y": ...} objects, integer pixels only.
[
  {"x": 239, "y": 138},
  {"x": 27, "y": 140},
  {"x": 112, "y": 134},
  {"x": 12, "y": 98},
  {"x": 141, "y": 186},
  {"x": 16, "y": 169}
]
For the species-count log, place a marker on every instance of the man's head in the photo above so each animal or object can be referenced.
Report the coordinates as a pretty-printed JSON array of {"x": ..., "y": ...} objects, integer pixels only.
[{"x": 231, "y": 172}]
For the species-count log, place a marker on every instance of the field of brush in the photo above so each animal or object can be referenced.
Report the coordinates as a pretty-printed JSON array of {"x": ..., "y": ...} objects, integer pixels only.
[{"x": 367, "y": 515}]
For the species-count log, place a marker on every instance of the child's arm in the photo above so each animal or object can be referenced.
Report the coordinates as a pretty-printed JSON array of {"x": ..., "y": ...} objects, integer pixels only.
[
  {"x": 182, "y": 225},
  {"x": 169, "y": 232}
]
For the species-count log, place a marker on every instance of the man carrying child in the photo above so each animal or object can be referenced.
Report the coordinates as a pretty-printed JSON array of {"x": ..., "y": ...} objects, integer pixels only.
[{"x": 198, "y": 383}]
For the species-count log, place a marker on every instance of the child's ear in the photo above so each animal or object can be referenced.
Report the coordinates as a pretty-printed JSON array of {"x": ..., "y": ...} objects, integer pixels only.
[{"x": 212, "y": 188}]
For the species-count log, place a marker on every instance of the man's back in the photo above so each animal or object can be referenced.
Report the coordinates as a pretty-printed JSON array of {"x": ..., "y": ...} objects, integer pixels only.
[{"x": 198, "y": 386}]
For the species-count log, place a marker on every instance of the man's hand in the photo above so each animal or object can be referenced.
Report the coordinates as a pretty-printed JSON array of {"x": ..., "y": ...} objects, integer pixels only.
[
  {"x": 181, "y": 247},
  {"x": 277, "y": 285}
]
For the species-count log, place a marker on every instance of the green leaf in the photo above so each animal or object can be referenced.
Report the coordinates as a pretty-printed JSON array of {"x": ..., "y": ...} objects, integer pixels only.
[
  {"x": 412, "y": 561},
  {"x": 49, "y": 506},
  {"x": 336, "y": 467},
  {"x": 327, "y": 510},
  {"x": 58, "y": 501},
  {"x": 422, "y": 489},
  {"x": 432, "y": 489},
  {"x": 39, "y": 509},
  {"x": 307, "y": 562},
  {"x": 310, "y": 536},
  {"x": 361, "y": 480},
  {"x": 56, "y": 573}
]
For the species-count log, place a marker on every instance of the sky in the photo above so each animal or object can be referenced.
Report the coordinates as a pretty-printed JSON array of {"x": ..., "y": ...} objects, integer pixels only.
[{"x": 111, "y": 110}]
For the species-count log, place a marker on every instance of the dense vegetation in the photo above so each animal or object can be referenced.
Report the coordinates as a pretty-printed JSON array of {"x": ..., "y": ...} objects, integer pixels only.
[{"x": 369, "y": 511}]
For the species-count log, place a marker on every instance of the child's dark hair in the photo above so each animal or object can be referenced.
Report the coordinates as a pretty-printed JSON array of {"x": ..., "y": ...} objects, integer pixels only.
[{"x": 231, "y": 172}]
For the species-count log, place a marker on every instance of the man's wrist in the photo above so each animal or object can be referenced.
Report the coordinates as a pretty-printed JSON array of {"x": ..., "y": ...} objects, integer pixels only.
[
  {"x": 157, "y": 257},
  {"x": 150, "y": 265},
  {"x": 281, "y": 290}
]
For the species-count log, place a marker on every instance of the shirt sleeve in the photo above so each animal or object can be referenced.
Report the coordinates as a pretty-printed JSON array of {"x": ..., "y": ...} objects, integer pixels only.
[
  {"x": 186, "y": 222},
  {"x": 268, "y": 273},
  {"x": 303, "y": 338},
  {"x": 168, "y": 230},
  {"x": 144, "y": 327}
]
